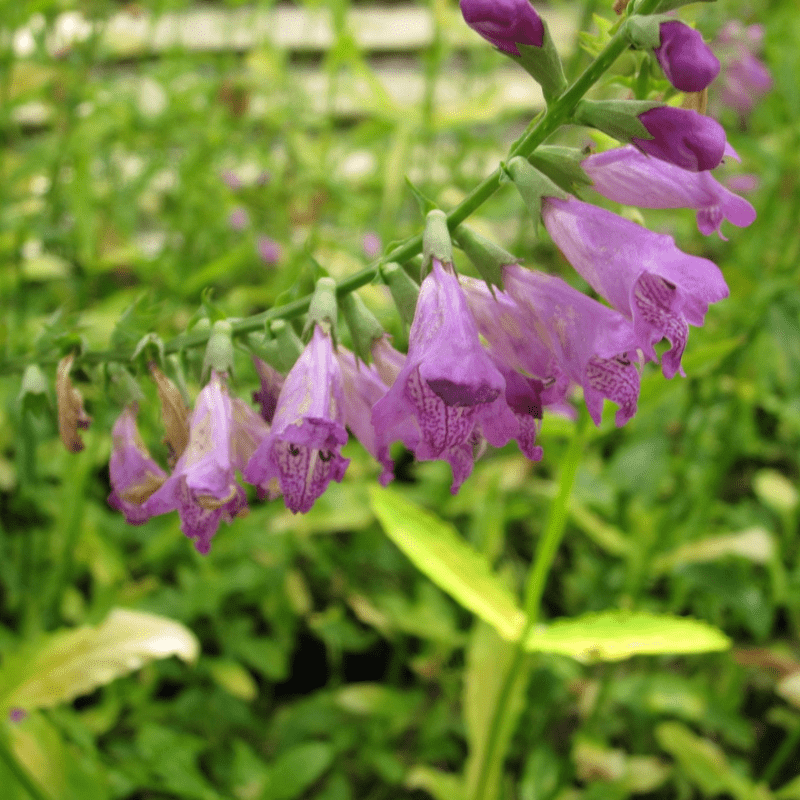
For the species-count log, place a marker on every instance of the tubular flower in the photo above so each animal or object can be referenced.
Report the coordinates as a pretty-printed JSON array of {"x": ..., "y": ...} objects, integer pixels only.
[
  {"x": 363, "y": 388},
  {"x": 448, "y": 394},
  {"x": 504, "y": 23},
  {"x": 682, "y": 137},
  {"x": 627, "y": 176},
  {"x": 641, "y": 273},
  {"x": 133, "y": 473},
  {"x": 203, "y": 486},
  {"x": 686, "y": 59},
  {"x": 594, "y": 345},
  {"x": 511, "y": 340},
  {"x": 307, "y": 433}
]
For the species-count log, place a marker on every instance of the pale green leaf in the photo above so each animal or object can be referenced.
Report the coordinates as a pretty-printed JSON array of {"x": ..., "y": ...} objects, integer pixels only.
[
  {"x": 754, "y": 544},
  {"x": 437, "y": 550},
  {"x": 616, "y": 635},
  {"x": 68, "y": 663},
  {"x": 439, "y": 785}
]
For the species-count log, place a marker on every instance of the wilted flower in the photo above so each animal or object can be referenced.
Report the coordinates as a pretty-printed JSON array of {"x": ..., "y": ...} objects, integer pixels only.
[
  {"x": 627, "y": 176},
  {"x": 133, "y": 473},
  {"x": 686, "y": 59},
  {"x": 449, "y": 394},
  {"x": 641, "y": 273},
  {"x": 71, "y": 414},
  {"x": 223, "y": 433},
  {"x": 682, "y": 137},
  {"x": 594, "y": 345},
  {"x": 174, "y": 414},
  {"x": 302, "y": 449},
  {"x": 363, "y": 388},
  {"x": 504, "y": 23}
]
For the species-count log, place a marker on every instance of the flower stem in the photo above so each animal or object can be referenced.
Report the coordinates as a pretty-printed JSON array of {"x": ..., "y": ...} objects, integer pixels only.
[
  {"x": 558, "y": 112},
  {"x": 534, "y": 588},
  {"x": 18, "y": 771}
]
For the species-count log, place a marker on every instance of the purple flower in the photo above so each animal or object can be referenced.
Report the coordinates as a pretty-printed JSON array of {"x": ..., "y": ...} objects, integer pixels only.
[
  {"x": 683, "y": 137},
  {"x": 595, "y": 346},
  {"x": 270, "y": 389},
  {"x": 686, "y": 59},
  {"x": 238, "y": 219},
  {"x": 362, "y": 389},
  {"x": 504, "y": 23},
  {"x": 641, "y": 273},
  {"x": 745, "y": 78},
  {"x": 524, "y": 398},
  {"x": 203, "y": 487},
  {"x": 512, "y": 342},
  {"x": 302, "y": 449},
  {"x": 17, "y": 714},
  {"x": 627, "y": 176},
  {"x": 388, "y": 361},
  {"x": 133, "y": 473},
  {"x": 269, "y": 251},
  {"x": 231, "y": 180},
  {"x": 448, "y": 394},
  {"x": 371, "y": 245}
]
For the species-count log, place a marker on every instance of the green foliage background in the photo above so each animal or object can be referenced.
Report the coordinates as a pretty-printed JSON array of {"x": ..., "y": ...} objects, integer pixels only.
[{"x": 330, "y": 667}]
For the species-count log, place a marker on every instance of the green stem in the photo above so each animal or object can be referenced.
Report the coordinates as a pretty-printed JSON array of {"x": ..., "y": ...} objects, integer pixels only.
[
  {"x": 558, "y": 112},
  {"x": 18, "y": 771},
  {"x": 534, "y": 588},
  {"x": 787, "y": 747}
]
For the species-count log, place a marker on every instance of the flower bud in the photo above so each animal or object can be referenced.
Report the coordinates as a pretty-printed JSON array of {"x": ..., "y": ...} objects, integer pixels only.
[
  {"x": 504, "y": 23},
  {"x": 686, "y": 59}
]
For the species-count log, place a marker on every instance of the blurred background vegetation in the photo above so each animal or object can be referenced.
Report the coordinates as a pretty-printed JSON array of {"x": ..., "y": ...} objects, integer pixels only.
[{"x": 149, "y": 152}]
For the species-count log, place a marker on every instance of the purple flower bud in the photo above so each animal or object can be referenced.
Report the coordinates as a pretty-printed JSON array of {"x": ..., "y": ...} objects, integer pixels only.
[
  {"x": 627, "y": 176},
  {"x": 683, "y": 137},
  {"x": 134, "y": 475},
  {"x": 223, "y": 433},
  {"x": 362, "y": 389},
  {"x": 448, "y": 395},
  {"x": 504, "y": 23},
  {"x": 302, "y": 449},
  {"x": 686, "y": 59},
  {"x": 594, "y": 345},
  {"x": 17, "y": 714},
  {"x": 269, "y": 250},
  {"x": 642, "y": 274}
]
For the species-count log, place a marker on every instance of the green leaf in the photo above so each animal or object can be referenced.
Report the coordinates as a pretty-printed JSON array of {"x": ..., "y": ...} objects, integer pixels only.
[
  {"x": 68, "y": 663},
  {"x": 616, "y": 635},
  {"x": 296, "y": 769},
  {"x": 439, "y": 785},
  {"x": 438, "y": 551},
  {"x": 705, "y": 764}
]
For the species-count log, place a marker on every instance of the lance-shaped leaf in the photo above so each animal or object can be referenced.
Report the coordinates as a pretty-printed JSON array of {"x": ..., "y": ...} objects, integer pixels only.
[
  {"x": 616, "y": 635},
  {"x": 70, "y": 663},
  {"x": 438, "y": 551}
]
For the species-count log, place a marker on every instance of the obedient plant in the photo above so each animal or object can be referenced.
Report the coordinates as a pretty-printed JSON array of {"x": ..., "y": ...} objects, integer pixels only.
[{"x": 488, "y": 359}]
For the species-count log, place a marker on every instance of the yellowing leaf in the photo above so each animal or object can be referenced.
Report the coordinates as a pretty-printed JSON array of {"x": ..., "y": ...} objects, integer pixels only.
[
  {"x": 616, "y": 635},
  {"x": 69, "y": 663},
  {"x": 438, "y": 551}
]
